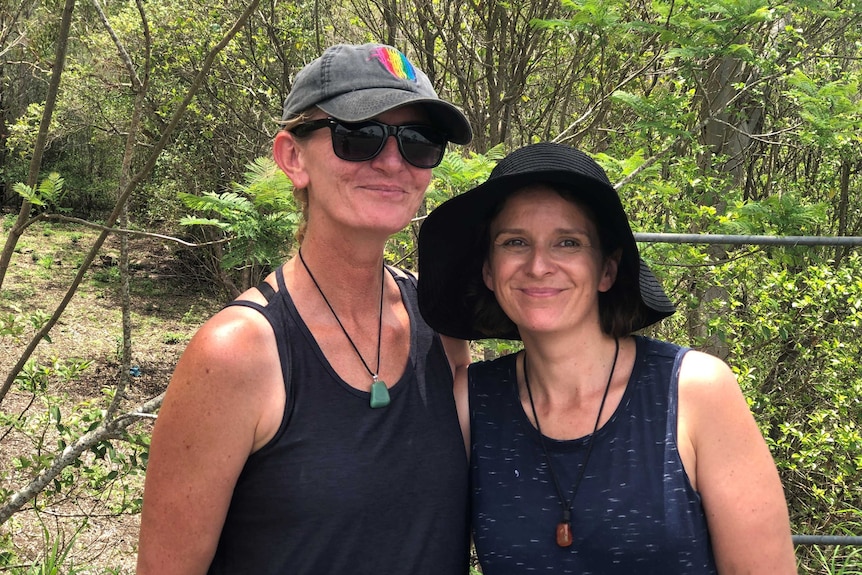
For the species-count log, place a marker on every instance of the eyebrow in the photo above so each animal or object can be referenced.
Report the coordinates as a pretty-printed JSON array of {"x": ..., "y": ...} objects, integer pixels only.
[{"x": 561, "y": 231}]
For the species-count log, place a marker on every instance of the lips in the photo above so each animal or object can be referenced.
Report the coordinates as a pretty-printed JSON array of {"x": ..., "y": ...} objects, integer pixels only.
[
  {"x": 386, "y": 189},
  {"x": 541, "y": 292}
]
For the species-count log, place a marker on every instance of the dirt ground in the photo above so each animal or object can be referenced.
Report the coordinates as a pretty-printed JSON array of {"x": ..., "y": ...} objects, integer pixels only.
[{"x": 167, "y": 308}]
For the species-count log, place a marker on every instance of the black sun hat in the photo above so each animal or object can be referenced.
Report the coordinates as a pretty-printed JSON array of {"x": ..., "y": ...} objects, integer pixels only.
[{"x": 453, "y": 241}]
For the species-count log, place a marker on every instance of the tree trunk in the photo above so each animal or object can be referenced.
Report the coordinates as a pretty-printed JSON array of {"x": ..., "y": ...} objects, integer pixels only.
[{"x": 21, "y": 222}]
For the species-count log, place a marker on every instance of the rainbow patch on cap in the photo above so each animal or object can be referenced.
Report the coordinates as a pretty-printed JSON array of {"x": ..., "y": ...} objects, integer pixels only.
[{"x": 395, "y": 63}]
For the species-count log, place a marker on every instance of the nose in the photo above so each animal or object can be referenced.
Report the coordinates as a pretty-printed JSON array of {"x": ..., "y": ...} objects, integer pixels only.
[
  {"x": 390, "y": 156},
  {"x": 539, "y": 262}
]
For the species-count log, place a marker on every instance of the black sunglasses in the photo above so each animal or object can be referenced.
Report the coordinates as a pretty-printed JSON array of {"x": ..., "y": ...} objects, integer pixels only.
[{"x": 420, "y": 146}]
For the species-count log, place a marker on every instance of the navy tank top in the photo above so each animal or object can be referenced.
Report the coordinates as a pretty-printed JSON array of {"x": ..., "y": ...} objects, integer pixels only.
[
  {"x": 343, "y": 488},
  {"x": 635, "y": 511}
]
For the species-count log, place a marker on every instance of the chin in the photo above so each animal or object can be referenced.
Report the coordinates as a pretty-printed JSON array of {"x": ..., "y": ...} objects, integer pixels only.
[
  {"x": 539, "y": 326},
  {"x": 395, "y": 223}
]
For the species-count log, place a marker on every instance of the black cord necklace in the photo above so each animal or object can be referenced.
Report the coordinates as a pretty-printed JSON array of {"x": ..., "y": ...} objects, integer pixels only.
[
  {"x": 379, "y": 391},
  {"x": 564, "y": 527}
]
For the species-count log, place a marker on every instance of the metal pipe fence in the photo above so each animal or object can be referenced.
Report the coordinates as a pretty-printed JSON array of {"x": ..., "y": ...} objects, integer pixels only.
[
  {"x": 737, "y": 240},
  {"x": 852, "y": 540}
]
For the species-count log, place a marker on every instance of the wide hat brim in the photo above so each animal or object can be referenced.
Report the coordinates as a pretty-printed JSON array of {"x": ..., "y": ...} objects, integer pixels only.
[{"x": 451, "y": 238}]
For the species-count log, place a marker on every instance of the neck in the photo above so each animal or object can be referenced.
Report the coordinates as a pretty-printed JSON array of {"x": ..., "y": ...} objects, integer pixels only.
[
  {"x": 351, "y": 246},
  {"x": 347, "y": 255},
  {"x": 379, "y": 391},
  {"x": 343, "y": 269},
  {"x": 568, "y": 411},
  {"x": 351, "y": 287},
  {"x": 570, "y": 367}
]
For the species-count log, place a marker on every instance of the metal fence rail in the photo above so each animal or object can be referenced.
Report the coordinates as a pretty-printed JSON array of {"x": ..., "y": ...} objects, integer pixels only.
[
  {"x": 749, "y": 240},
  {"x": 851, "y": 540}
]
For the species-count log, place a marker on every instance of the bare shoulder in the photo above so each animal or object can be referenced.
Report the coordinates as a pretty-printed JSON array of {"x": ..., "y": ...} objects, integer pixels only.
[
  {"x": 731, "y": 466},
  {"x": 231, "y": 365},
  {"x": 226, "y": 339},
  {"x": 709, "y": 390},
  {"x": 713, "y": 412},
  {"x": 221, "y": 405},
  {"x": 706, "y": 373}
]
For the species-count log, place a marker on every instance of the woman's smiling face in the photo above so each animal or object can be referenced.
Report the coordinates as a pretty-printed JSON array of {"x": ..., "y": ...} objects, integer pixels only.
[
  {"x": 379, "y": 195},
  {"x": 545, "y": 263}
]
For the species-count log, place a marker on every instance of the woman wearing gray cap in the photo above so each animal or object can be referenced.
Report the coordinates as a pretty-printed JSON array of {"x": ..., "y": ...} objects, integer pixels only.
[
  {"x": 310, "y": 426},
  {"x": 593, "y": 450}
]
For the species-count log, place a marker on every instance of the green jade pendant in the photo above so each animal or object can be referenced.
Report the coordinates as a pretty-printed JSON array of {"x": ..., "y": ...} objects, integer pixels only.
[{"x": 379, "y": 394}]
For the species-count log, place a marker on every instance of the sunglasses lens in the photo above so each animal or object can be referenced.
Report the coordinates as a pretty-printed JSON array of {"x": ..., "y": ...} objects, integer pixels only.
[
  {"x": 356, "y": 143},
  {"x": 422, "y": 147}
]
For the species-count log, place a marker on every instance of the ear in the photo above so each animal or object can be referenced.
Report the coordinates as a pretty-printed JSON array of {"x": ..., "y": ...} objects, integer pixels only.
[
  {"x": 609, "y": 273},
  {"x": 289, "y": 156},
  {"x": 487, "y": 277}
]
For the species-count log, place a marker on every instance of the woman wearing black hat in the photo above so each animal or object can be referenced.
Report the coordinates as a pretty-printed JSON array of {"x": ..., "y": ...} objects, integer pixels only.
[
  {"x": 593, "y": 450},
  {"x": 310, "y": 427}
]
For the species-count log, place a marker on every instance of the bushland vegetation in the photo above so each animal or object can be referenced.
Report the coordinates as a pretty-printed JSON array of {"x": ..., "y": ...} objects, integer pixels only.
[{"x": 138, "y": 194}]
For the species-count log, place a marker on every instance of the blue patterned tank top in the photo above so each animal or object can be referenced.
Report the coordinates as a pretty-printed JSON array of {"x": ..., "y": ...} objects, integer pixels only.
[{"x": 635, "y": 511}]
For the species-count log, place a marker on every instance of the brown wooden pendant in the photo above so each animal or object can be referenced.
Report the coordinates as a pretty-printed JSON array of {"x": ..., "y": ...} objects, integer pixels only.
[
  {"x": 564, "y": 527},
  {"x": 564, "y": 533}
]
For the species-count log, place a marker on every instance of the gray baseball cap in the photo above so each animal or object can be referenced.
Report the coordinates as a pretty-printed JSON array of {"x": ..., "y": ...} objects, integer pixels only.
[{"x": 358, "y": 82}]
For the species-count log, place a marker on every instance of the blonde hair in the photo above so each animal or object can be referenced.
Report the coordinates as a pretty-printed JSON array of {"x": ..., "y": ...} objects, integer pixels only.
[{"x": 300, "y": 194}]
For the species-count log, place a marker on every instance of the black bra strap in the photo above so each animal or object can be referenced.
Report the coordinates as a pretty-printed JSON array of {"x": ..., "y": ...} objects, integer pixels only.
[{"x": 266, "y": 291}]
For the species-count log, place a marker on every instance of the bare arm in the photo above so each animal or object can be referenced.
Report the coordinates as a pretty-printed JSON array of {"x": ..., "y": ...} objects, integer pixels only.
[
  {"x": 457, "y": 351},
  {"x": 734, "y": 472},
  {"x": 462, "y": 402},
  {"x": 214, "y": 415}
]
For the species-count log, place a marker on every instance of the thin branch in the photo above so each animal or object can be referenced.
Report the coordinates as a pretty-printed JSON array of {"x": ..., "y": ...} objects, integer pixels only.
[
  {"x": 760, "y": 137},
  {"x": 19, "y": 40},
  {"x": 140, "y": 89},
  {"x": 124, "y": 55},
  {"x": 140, "y": 233},
  {"x": 110, "y": 430},
  {"x": 561, "y": 137},
  {"x": 4, "y": 34}
]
